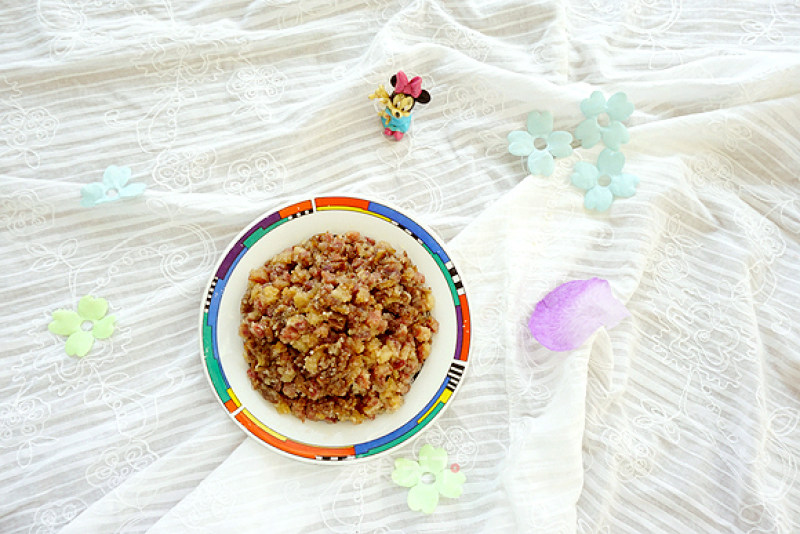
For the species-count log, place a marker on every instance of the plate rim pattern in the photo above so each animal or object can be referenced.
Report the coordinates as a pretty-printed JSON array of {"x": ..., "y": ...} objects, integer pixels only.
[{"x": 248, "y": 422}]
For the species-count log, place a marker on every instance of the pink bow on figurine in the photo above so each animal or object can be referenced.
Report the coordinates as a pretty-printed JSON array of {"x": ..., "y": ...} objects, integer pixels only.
[{"x": 413, "y": 87}]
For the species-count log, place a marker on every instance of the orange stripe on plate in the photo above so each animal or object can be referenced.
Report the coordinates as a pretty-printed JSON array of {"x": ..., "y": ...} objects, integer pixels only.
[
  {"x": 310, "y": 452},
  {"x": 295, "y": 208},
  {"x": 342, "y": 201},
  {"x": 289, "y": 446},
  {"x": 230, "y": 405},
  {"x": 263, "y": 427},
  {"x": 467, "y": 331}
]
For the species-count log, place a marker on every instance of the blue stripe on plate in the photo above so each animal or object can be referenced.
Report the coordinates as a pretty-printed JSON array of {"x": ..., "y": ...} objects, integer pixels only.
[
  {"x": 411, "y": 225},
  {"x": 364, "y": 447}
]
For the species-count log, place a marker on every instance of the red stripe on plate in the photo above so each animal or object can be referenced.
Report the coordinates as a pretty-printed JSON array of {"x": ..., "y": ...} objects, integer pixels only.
[
  {"x": 342, "y": 201},
  {"x": 295, "y": 208},
  {"x": 466, "y": 328}
]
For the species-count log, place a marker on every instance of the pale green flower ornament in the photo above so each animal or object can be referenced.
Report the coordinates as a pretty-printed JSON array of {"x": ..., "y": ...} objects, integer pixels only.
[
  {"x": 428, "y": 478},
  {"x": 91, "y": 315},
  {"x": 604, "y": 181},
  {"x": 540, "y": 143}
]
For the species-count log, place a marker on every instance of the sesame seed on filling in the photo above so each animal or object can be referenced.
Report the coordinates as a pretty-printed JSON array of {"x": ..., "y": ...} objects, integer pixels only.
[{"x": 336, "y": 328}]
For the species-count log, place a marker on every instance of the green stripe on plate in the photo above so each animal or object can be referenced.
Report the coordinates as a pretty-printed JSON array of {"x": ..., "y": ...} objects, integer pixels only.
[
  {"x": 208, "y": 348},
  {"x": 258, "y": 234},
  {"x": 447, "y": 277},
  {"x": 216, "y": 379}
]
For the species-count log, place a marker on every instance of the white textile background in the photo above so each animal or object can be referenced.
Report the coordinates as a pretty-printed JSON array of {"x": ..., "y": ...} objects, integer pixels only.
[{"x": 683, "y": 418}]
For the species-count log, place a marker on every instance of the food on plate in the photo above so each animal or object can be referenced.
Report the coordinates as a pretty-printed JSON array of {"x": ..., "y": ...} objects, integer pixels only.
[{"x": 336, "y": 328}]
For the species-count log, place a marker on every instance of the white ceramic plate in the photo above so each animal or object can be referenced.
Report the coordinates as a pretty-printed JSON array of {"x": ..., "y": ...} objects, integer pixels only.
[{"x": 223, "y": 350}]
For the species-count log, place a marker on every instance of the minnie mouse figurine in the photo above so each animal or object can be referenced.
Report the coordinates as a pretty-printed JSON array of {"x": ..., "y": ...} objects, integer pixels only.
[{"x": 396, "y": 118}]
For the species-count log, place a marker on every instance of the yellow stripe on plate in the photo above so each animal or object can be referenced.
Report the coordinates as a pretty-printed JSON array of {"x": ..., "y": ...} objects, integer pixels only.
[
  {"x": 445, "y": 396},
  {"x": 442, "y": 398},
  {"x": 262, "y": 427},
  {"x": 349, "y": 208},
  {"x": 233, "y": 396}
]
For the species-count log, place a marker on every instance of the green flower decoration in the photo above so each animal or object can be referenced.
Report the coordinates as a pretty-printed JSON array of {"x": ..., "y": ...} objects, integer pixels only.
[
  {"x": 540, "y": 143},
  {"x": 613, "y": 133},
  {"x": 428, "y": 478},
  {"x": 69, "y": 323},
  {"x": 604, "y": 181}
]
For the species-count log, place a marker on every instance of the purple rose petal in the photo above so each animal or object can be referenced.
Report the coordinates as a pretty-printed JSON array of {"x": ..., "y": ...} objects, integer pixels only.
[{"x": 569, "y": 314}]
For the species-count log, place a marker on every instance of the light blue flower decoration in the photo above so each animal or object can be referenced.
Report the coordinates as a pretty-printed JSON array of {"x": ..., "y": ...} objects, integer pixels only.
[
  {"x": 614, "y": 133},
  {"x": 114, "y": 186},
  {"x": 604, "y": 181},
  {"x": 540, "y": 143}
]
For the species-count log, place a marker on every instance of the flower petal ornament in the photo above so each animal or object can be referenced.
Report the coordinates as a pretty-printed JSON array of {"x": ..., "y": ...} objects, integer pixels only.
[
  {"x": 540, "y": 143},
  {"x": 567, "y": 316},
  {"x": 604, "y": 181},
  {"x": 428, "y": 478},
  {"x": 114, "y": 187},
  {"x": 92, "y": 312},
  {"x": 604, "y": 120}
]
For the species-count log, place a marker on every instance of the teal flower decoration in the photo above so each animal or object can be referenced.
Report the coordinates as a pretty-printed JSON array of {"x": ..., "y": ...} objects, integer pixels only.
[
  {"x": 428, "y": 478},
  {"x": 612, "y": 132},
  {"x": 114, "y": 186},
  {"x": 540, "y": 143},
  {"x": 604, "y": 181},
  {"x": 68, "y": 323}
]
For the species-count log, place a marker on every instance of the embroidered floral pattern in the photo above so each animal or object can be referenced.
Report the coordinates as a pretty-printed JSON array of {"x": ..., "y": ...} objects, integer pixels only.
[
  {"x": 23, "y": 213},
  {"x": 257, "y": 177},
  {"x": 471, "y": 102},
  {"x": 632, "y": 456},
  {"x": 705, "y": 336},
  {"x": 23, "y": 131},
  {"x": 184, "y": 170},
  {"x": 69, "y": 323},
  {"x": 428, "y": 478},
  {"x": 459, "y": 443},
  {"x": 257, "y": 88},
  {"x": 466, "y": 41},
  {"x": 53, "y": 516},
  {"x": 21, "y": 425},
  {"x": 116, "y": 464}
]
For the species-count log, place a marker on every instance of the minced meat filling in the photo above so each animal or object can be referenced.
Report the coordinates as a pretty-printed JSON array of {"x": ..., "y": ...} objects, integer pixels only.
[{"x": 336, "y": 328}]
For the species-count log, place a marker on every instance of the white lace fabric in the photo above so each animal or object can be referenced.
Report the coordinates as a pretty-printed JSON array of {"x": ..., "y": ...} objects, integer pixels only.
[{"x": 683, "y": 418}]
